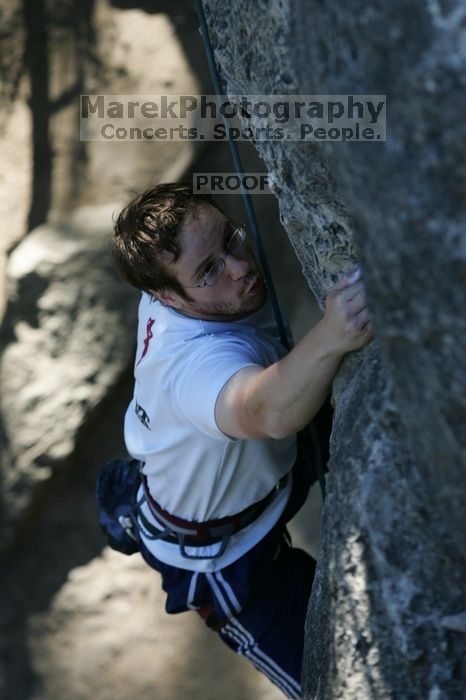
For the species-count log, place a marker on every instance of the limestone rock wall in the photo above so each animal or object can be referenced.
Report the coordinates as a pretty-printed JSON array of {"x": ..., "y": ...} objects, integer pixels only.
[{"x": 387, "y": 613}]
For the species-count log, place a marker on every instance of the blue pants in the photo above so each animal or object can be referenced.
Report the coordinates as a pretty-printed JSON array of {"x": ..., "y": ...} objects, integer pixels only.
[{"x": 258, "y": 604}]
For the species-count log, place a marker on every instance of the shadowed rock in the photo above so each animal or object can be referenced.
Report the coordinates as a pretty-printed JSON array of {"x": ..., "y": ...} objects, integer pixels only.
[{"x": 66, "y": 338}]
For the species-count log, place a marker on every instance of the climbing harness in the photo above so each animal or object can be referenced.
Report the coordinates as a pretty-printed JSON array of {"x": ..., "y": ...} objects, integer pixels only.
[
  {"x": 317, "y": 448},
  {"x": 201, "y": 534},
  {"x": 122, "y": 518}
]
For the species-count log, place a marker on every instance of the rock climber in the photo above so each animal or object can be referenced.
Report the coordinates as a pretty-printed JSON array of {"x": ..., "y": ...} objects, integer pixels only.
[{"x": 218, "y": 419}]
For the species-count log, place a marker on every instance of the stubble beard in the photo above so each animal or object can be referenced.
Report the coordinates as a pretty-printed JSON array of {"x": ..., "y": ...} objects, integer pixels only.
[{"x": 231, "y": 310}]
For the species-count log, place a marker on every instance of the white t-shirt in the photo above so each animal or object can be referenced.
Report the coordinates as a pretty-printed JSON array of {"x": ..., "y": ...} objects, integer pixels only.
[{"x": 194, "y": 470}]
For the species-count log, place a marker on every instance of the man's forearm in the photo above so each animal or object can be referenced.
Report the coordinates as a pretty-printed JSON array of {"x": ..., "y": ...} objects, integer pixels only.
[
  {"x": 283, "y": 398},
  {"x": 287, "y": 395}
]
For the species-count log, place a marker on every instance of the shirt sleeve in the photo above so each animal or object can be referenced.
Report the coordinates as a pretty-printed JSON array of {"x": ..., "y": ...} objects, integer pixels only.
[{"x": 202, "y": 381}]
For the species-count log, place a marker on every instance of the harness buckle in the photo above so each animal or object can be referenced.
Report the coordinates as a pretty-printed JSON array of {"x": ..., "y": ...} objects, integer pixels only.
[{"x": 225, "y": 532}]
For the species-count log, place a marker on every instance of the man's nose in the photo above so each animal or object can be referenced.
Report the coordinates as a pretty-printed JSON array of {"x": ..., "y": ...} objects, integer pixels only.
[{"x": 237, "y": 267}]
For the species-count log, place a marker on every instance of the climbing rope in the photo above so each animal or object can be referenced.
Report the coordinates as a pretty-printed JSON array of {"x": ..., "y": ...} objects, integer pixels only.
[{"x": 204, "y": 31}]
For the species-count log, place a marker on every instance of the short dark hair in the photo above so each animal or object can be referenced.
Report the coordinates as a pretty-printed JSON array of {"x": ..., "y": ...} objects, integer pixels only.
[{"x": 147, "y": 228}]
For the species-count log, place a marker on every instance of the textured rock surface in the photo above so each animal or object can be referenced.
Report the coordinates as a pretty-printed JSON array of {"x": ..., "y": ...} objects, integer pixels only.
[
  {"x": 53, "y": 51},
  {"x": 51, "y": 54},
  {"x": 392, "y": 551},
  {"x": 66, "y": 338}
]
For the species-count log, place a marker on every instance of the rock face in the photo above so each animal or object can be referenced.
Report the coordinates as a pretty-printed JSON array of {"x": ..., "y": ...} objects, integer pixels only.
[
  {"x": 393, "y": 562},
  {"x": 66, "y": 339}
]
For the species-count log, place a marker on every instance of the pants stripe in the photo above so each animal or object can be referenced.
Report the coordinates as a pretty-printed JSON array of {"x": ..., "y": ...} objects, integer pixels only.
[
  {"x": 251, "y": 650},
  {"x": 235, "y": 636},
  {"x": 258, "y": 662},
  {"x": 215, "y": 587},
  {"x": 248, "y": 648},
  {"x": 228, "y": 591},
  {"x": 274, "y": 677},
  {"x": 192, "y": 591},
  {"x": 293, "y": 688},
  {"x": 255, "y": 649}
]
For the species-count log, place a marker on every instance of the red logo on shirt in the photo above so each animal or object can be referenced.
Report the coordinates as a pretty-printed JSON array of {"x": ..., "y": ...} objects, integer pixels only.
[{"x": 148, "y": 338}]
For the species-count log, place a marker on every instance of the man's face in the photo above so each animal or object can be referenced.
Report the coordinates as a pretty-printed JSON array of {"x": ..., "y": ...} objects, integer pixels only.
[{"x": 239, "y": 291}]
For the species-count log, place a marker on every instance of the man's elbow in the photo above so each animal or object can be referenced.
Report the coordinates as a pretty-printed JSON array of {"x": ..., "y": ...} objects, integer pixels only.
[
  {"x": 267, "y": 424},
  {"x": 278, "y": 431},
  {"x": 259, "y": 418},
  {"x": 245, "y": 411},
  {"x": 279, "y": 425},
  {"x": 278, "y": 434}
]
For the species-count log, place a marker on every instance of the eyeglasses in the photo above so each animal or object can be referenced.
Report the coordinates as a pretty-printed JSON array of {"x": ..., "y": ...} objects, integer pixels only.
[{"x": 214, "y": 273}]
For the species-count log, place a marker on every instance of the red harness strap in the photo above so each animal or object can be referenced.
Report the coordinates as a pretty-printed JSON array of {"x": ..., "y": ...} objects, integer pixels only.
[{"x": 211, "y": 529}]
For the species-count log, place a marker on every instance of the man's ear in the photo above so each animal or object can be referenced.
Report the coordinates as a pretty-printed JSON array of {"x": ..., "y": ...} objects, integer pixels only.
[{"x": 166, "y": 297}]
